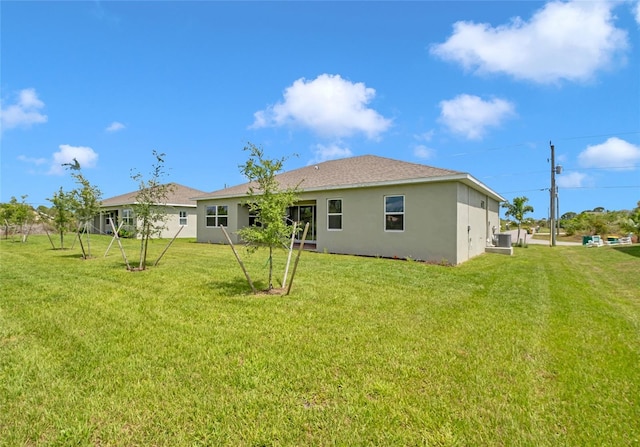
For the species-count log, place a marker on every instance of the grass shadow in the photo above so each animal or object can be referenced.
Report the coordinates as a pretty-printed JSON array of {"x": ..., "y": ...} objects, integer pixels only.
[
  {"x": 238, "y": 286},
  {"x": 633, "y": 250}
]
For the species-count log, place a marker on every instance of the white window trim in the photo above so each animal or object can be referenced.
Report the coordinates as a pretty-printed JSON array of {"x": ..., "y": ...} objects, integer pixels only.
[
  {"x": 216, "y": 216},
  {"x": 341, "y": 214},
  {"x": 180, "y": 218},
  {"x": 128, "y": 217},
  {"x": 404, "y": 211}
]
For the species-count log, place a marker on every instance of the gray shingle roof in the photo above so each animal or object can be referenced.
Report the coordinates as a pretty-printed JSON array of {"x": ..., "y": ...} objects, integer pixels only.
[
  {"x": 180, "y": 195},
  {"x": 365, "y": 170}
]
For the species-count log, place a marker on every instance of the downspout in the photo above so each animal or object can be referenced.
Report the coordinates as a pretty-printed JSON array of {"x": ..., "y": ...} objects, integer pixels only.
[
  {"x": 487, "y": 231},
  {"x": 469, "y": 239}
]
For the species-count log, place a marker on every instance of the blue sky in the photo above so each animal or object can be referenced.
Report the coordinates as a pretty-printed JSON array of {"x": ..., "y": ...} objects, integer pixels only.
[{"x": 479, "y": 87}]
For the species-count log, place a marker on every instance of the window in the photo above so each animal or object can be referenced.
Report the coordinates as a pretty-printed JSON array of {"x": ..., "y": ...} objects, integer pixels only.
[
  {"x": 482, "y": 204},
  {"x": 253, "y": 218},
  {"x": 127, "y": 217},
  {"x": 334, "y": 214},
  {"x": 394, "y": 213},
  {"x": 217, "y": 216},
  {"x": 183, "y": 218}
]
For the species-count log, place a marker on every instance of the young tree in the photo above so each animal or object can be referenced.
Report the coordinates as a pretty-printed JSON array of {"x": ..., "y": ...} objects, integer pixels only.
[
  {"x": 517, "y": 210},
  {"x": 61, "y": 213},
  {"x": 18, "y": 215},
  {"x": 268, "y": 201},
  {"x": 85, "y": 203},
  {"x": 150, "y": 209},
  {"x": 6, "y": 215},
  {"x": 630, "y": 221}
]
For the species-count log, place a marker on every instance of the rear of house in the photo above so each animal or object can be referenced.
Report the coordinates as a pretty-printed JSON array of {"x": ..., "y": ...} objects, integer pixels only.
[
  {"x": 373, "y": 206},
  {"x": 180, "y": 208}
]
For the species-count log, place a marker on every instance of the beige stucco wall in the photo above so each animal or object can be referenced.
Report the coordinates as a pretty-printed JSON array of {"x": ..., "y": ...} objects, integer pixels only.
[
  {"x": 172, "y": 223},
  {"x": 477, "y": 214},
  {"x": 429, "y": 219},
  {"x": 437, "y": 216},
  {"x": 214, "y": 235},
  {"x": 190, "y": 230}
]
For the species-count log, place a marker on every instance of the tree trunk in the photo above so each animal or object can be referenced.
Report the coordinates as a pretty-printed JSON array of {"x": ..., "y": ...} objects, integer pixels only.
[
  {"x": 143, "y": 245},
  {"x": 86, "y": 230},
  {"x": 270, "y": 267}
]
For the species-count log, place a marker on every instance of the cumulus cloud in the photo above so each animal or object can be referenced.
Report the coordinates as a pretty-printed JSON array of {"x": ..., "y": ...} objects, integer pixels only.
[
  {"x": 562, "y": 41},
  {"x": 25, "y": 112},
  {"x": 86, "y": 156},
  {"x": 636, "y": 11},
  {"x": 572, "y": 180},
  {"x": 329, "y": 152},
  {"x": 421, "y": 150},
  {"x": 424, "y": 152},
  {"x": 115, "y": 126},
  {"x": 470, "y": 116},
  {"x": 613, "y": 154},
  {"x": 328, "y": 106},
  {"x": 425, "y": 136}
]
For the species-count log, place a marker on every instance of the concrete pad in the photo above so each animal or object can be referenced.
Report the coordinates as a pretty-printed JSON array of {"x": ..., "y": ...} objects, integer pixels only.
[{"x": 499, "y": 250}]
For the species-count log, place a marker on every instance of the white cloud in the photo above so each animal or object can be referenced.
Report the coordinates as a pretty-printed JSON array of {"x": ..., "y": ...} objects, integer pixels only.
[
  {"x": 330, "y": 152},
  {"x": 425, "y": 136},
  {"x": 86, "y": 156},
  {"x": 329, "y": 106},
  {"x": 636, "y": 11},
  {"x": 562, "y": 41},
  {"x": 614, "y": 154},
  {"x": 470, "y": 116},
  {"x": 424, "y": 152},
  {"x": 32, "y": 160},
  {"x": 115, "y": 126},
  {"x": 572, "y": 180},
  {"x": 24, "y": 113}
]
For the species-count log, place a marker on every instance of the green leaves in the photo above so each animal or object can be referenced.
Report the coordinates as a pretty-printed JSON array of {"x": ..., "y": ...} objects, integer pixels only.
[
  {"x": 268, "y": 202},
  {"x": 150, "y": 207}
]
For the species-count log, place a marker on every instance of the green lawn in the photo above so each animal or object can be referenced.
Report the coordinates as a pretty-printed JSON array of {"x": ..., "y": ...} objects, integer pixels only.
[{"x": 538, "y": 349}]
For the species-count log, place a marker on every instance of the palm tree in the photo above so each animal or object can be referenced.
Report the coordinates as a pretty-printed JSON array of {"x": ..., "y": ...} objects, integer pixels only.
[{"x": 517, "y": 210}]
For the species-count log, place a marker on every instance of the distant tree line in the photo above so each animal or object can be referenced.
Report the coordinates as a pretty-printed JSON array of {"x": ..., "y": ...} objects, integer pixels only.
[
  {"x": 589, "y": 222},
  {"x": 601, "y": 221}
]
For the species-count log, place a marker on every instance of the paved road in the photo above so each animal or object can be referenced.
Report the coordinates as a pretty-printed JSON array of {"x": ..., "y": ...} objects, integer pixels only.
[{"x": 531, "y": 241}]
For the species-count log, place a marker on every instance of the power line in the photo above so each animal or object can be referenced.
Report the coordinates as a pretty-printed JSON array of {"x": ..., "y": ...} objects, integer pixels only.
[
  {"x": 571, "y": 187},
  {"x": 598, "y": 136},
  {"x": 530, "y": 144},
  {"x": 602, "y": 187},
  {"x": 605, "y": 168}
]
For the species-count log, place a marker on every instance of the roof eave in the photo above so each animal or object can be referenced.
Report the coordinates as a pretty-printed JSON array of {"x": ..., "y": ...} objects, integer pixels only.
[
  {"x": 112, "y": 205},
  {"x": 461, "y": 177}
]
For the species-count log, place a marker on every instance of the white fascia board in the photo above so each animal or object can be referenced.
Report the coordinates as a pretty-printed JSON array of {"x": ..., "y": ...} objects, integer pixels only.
[{"x": 117, "y": 205}]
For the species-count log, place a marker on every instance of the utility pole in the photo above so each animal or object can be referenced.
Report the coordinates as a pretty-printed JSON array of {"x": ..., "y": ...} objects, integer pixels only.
[
  {"x": 558, "y": 171},
  {"x": 552, "y": 193},
  {"x": 553, "y": 198}
]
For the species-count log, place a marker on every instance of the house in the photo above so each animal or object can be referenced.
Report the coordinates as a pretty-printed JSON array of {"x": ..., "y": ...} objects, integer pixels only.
[
  {"x": 373, "y": 206},
  {"x": 180, "y": 207}
]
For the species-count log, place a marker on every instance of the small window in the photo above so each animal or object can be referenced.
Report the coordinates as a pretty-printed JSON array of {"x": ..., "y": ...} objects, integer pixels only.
[
  {"x": 127, "y": 217},
  {"x": 394, "y": 213},
  {"x": 217, "y": 216},
  {"x": 334, "y": 214},
  {"x": 482, "y": 204},
  {"x": 253, "y": 219},
  {"x": 183, "y": 218}
]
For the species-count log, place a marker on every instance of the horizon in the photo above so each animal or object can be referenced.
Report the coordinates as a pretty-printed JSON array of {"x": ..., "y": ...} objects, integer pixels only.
[{"x": 478, "y": 87}]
